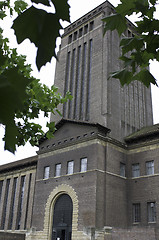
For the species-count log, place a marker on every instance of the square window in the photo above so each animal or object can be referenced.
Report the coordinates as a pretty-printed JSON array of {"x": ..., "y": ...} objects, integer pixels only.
[
  {"x": 150, "y": 168},
  {"x": 83, "y": 165},
  {"x": 136, "y": 212},
  {"x": 122, "y": 169},
  {"x": 58, "y": 170},
  {"x": 151, "y": 210},
  {"x": 70, "y": 166},
  {"x": 136, "y": 170},
  {"x": 46, "y": 172}
]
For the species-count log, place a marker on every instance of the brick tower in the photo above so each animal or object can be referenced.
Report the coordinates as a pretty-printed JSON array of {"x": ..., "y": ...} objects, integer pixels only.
[{"x": 85, "y": 60}]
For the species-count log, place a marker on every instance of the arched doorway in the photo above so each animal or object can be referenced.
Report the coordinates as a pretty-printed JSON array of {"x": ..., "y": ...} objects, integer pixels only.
[{"x": 62, "y": 218}]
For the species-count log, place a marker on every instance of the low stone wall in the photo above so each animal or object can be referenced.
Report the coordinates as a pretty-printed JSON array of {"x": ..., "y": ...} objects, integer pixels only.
[
  {"x": 11, "y": 236},
  {"x": 107, "y": 233}
]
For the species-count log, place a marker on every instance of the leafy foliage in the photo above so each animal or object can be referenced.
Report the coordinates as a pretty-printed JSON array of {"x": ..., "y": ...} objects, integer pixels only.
[
  {"x": 137, "y": 51},
  {"x": 22, "y": 97},
  {"x": 42, "y": 28}
]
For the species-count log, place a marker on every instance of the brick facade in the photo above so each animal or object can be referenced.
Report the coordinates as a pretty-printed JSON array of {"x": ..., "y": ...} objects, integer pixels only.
[{"x": 109, "y": 202}]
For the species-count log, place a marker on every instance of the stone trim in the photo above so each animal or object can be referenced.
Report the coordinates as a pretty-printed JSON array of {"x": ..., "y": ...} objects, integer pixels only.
[{"x": 48, "y": 219}]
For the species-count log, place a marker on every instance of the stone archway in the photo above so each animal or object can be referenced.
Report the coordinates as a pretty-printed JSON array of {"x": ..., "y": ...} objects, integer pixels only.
[{"x": 54, "y": 195}]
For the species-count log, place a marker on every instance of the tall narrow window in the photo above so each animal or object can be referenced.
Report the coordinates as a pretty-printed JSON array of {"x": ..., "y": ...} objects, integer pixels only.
[
  {"x": 13, "y": 202},
  {"x": 122, "y": 169},
  {"x": 151, "y": 209},
  {"x": 21, "y": 199},
  {"x": 66, "y": 81},
  {"x": 80, "y": 32},
  {"x": 77, "y": 82},
  {"x": 58, "y": 170},
  {"x": 72, "y": 82},
  {"x": 89, "y": 80},
  {"x": 5, "y": 203},
  {"x": 86, "y": 29},
  {"x": 150, "y": 168},
  {"x": 136, "y": 170},
  {"x": 70, "y": 39},
  {"x": 83, "y": 165},
  {"x": 46, "y": 172},
  {"x": 1, "y": 186},
  {"x": 136, "y": 212},
  {"x": 70, "y": 166},
  {"x": 83, "y": 81},
  {"x": 91, "y": 26},
  {"x": 75, "y": 35},
  {"x": 28, "y": 197}
]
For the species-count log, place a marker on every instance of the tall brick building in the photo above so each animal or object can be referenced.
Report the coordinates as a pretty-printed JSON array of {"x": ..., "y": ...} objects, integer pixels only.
[{"x": 98, "y": 177}]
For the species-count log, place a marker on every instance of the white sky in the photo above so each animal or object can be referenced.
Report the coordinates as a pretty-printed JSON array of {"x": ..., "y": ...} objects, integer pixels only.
[{"x": 46, "y": 75}]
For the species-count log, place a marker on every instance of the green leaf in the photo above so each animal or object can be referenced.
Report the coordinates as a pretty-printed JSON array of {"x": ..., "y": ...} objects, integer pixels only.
[
  {"x": 147, "y": 25},
  {"x": 142, "y": 6},
  {"x": 129, "y": 44},
  {"x": 145, "y": 77},
  {"x": 62, "y": 9},
  {"x": 126, "y": 7},
  {"x": 115, "y": 21},
  {"x": 153, "y": 2},
  {"x": 42, "y": 29},
  {"x": 152, "y": 43},
  {"x": 10, "y": 136},
  {"x": 12, "y": 93},
  {"x": 45, "y": 2},
  {"x": 20, "y": 6},
  {"x": 2, "y": 14},
  {"x": 124, "y": 76}
]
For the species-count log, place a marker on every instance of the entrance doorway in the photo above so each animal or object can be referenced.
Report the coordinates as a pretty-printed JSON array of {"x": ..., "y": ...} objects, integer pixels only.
[{"x": 62, "y": 218}]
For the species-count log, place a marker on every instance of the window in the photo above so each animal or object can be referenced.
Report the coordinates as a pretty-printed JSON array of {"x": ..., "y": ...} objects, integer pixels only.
[
  {"x": 83, "y": 164},
  {"x": 136, "y": 212},
  {"x": 85, "y": 29},
  {"x": 150, "y": 168},
  {"x": 122, "y": 169},
  {"x": 75, "y": 35},
  {"x": 46, "y": 172},
  {"x": 129, "y": 33},
  {"x": 151, "y": 210},
  {"x": 58, "y": 170},
  {"x": 13, "y": 202},
  {"x": 80, "y": 32},
  {"x": 5, "y": 203},
  {"x": 1, "y": 186},
  {"x": 66, "y": 88},
  {"x": 70, "y": 39},
  {"x": 136, "y": 170},
  {"x": 89, "y": 81},
  {"x": 91, "y": 26},
  {"x": 21, "y": 200},
  {"x": 70, "y": 165}
]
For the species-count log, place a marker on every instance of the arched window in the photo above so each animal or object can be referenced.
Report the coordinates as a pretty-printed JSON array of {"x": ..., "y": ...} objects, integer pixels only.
[{"x": 62, "y": 218}]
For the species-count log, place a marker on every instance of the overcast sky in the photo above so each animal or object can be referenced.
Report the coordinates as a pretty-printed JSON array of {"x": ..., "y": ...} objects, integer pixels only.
[{"x": 46, "y": 75}]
